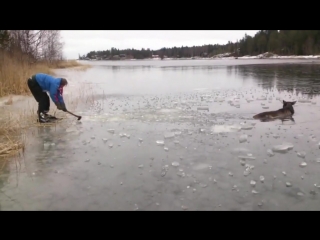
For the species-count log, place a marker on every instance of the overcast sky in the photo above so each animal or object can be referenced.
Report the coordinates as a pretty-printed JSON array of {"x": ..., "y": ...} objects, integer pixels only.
[{"x": 83, "y": 41}]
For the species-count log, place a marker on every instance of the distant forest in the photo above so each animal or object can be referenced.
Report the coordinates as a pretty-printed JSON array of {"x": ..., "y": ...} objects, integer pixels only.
[{"x": 280, "y": 42}]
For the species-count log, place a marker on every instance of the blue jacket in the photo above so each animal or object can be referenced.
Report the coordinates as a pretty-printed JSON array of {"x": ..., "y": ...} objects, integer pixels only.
[{"x": 51, "y": 85}]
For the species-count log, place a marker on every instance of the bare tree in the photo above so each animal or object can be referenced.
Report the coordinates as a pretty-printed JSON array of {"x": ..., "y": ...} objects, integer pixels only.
[
  {"x": 37, "y": 44},
  {"x": 27, "y": 41},
  {"x": 51, "y": 46}
]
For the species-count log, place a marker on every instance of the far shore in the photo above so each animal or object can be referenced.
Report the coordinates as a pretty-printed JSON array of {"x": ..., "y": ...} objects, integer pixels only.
[{"x": 224, "y": 56}]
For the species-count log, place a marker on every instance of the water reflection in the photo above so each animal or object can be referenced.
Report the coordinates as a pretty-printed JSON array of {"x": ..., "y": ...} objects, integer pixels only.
[
  {"x": 293, "y": 78},
  {"x": 4, "y": 176},
  {"x": 283, "y": 120},
  {"x": 158, "y": 77},
  {"x": 49, "y": 145}
]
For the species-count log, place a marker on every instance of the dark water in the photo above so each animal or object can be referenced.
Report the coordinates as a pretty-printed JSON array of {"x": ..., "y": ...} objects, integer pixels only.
[{"x": 218, "y": 158}]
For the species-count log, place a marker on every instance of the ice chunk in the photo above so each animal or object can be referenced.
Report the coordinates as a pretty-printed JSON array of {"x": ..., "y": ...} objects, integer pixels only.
[
  {"x": 303, "y": 100},
  {"x": 302, "y": 154},
  {"x": 270, "y": 153},
  {"x": 111, "y": 130},
  {"x": 46, "y": 145},
  {"x": 246, "y": 157},
  {"x": 246, "y": 127},
  {"x": 203, "y": 108},
  {"x": 252, "y": 183},
  {"x": 303, "y": 164},
  {"x": 243, "y": 138},
  {"x": 175, "y": 164},
  {"x": 225, "y": 128},
  {"x": 169, "y": 135},
  {"x": 283, "y": 148},
  {"x": 160, "y": 142}
]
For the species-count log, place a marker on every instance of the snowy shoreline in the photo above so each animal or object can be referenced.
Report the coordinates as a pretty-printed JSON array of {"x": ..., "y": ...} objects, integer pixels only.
[
  {"x": 224, "y": 56},
  {"x": 266, "y": 55},
  {"x": 317, "y": 57}
]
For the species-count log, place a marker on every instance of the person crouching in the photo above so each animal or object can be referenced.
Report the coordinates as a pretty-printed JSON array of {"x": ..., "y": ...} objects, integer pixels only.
[{"x": 39, "y": 84}]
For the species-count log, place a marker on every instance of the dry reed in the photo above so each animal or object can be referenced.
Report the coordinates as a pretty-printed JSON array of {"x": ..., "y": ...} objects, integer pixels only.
[
  {"x": 11, "y": 137},
  {"x": 14, "y": 72},
  {"x": 67, "y": 64}
]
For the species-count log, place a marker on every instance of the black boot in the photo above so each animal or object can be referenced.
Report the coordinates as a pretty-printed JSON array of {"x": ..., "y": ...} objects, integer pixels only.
[
  {"x": 48, "y": 116},
  {"x": 42, "y": 118}
]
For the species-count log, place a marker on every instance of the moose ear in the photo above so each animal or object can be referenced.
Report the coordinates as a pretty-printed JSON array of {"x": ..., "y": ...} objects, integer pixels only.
[{"x": 293, "y": 103}]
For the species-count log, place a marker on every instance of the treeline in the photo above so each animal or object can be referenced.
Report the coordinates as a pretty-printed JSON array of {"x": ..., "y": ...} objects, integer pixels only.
[
  {"x": 175, "y": 52},
  {"x": 24, "y": 53},
  {"x": 281, "y": 42},
  {"x": 31, "y": 45}
]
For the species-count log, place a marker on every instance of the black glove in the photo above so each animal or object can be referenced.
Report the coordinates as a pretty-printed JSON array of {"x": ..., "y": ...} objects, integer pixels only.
[{"x": 61, "y": 106}]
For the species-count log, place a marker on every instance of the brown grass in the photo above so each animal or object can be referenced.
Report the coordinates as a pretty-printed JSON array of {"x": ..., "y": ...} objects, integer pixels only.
[
  {"x": 11, "y": 137},
  {"x": 66, "y": 64},
  {"x": 10, "y": 101},
  {"x": 14, "y": 72},
  {"x": 13, "y": 129}
]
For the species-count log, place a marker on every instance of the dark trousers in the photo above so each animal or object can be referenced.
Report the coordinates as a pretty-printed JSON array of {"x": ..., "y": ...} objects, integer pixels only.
[{"x": 41, "y": 97}]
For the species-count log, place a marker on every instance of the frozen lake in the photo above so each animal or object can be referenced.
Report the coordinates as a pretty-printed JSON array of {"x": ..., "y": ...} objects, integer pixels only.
[{"x": 176, "y": 135}]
